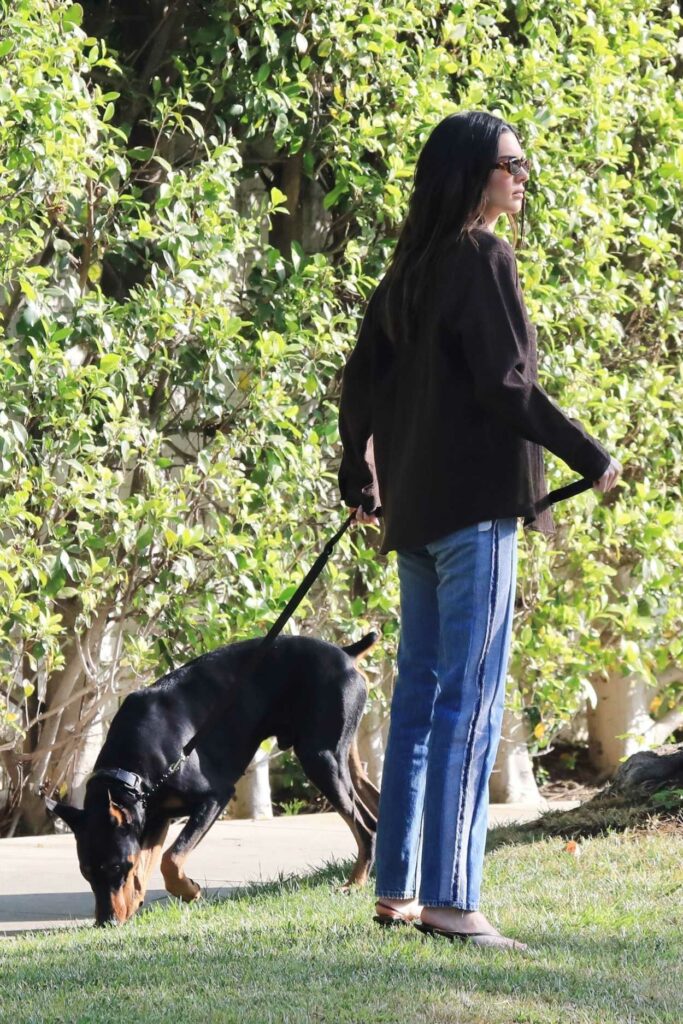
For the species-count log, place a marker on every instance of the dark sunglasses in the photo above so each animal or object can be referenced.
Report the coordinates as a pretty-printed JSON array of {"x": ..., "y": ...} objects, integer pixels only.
[{"x": 513, "y": 164}]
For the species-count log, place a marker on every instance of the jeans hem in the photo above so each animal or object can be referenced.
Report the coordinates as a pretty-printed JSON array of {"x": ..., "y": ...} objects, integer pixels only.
[
  {"x": 449, "y": 903},
  {"x": 395, "y": 894}
]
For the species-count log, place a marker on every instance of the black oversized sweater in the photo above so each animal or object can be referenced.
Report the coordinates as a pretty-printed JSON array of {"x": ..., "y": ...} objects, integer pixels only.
[{"x": 456, "y": 415}]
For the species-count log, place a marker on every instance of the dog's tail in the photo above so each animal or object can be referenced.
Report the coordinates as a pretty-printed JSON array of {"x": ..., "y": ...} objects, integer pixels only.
[{"x": 362, "y": 646}]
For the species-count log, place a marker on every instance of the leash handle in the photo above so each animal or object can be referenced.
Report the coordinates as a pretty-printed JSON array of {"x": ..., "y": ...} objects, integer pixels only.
[{"x": 559, "y": 494}]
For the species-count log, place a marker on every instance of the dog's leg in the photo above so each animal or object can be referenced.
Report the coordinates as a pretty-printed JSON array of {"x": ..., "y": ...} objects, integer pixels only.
[
  {"x": 329, "y": 771},
  {"x": 361, "y": 783},
  {"x": 148, "y": 858},
  {"x": 173, "y": 860}
]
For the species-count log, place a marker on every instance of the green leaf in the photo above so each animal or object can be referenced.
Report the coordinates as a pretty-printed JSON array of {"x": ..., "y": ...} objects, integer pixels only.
[
  {"x": 73, "y": 15},
  {"x": 277, "y": 197},
  {"x": 55, "y": 583},
  {"x": 109, "y": 362},
  {"x": 144, "y": 537}
]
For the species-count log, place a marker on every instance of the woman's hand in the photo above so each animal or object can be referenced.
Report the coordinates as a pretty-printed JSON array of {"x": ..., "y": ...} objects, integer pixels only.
[
  {"x": 364, "y": 517},
  {"x": 609, "y": 477}
]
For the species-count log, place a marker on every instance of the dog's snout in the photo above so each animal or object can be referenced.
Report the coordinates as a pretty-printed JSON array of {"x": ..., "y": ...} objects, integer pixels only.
[
  {"x": 114, "y": 908},
  {"x": 104, "y": 913}
]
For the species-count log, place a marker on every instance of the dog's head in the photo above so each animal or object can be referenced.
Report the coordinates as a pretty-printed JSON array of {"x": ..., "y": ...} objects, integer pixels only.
[{"x": 108, "y": 842}]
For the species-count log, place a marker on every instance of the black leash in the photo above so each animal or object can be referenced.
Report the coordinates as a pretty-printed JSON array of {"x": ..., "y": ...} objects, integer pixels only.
[
  {"x": 559, "y": 494},
  {"x": 142, "y": 791},
  {"x": 286, "y": 613},
  {"x": 135, "y": 784}
]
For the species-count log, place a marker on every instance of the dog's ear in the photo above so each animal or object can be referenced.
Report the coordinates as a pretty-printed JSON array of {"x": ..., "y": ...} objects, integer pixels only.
[
  {"x": 73, "y": 816},
  {"x": 119, "y": 815}
]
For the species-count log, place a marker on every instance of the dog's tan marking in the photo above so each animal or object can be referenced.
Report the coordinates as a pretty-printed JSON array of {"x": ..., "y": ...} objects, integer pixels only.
[
  {"x": 361, "y": 869},
  {"x": 147, "y": 860},
  {"x": 118, "y": 814},
  {"x": 124, "y": 901},
  {"x": 172, "y": 803},
  {"x": 175, "y": 879},
  {"x": 365, "y": 789},
  {"x": 361, "y": 654},
  {"x": 359, "y": 658}
]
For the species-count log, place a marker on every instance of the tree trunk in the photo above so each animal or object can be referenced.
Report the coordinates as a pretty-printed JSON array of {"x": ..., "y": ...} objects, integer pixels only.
[
  {"x": 371, "y": 743},
  {"x": 252, "y": 793},
  {"x": 53, "y": 737},
  {"x": 372, "y": 732},
  {"x": 620, "y": 723},
  {"x": 288, "y": 227},
  {"x": 512, "y": 780},
  {"x": 90, "y": 744},
  {"x": 618, "y": 720}
]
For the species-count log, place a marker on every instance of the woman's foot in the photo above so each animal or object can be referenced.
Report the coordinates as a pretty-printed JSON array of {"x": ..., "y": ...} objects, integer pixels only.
[
  {"x": 391, "y": 910},
  {"x": 467, "y": 925}
]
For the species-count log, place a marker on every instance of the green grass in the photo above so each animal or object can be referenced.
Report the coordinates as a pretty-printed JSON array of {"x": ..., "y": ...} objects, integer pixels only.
[{"x": 606, "y": 928}]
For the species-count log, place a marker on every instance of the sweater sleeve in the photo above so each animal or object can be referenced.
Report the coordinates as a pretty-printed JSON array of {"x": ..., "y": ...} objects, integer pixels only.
[
  {"x": 356, "y": 481},
  {"x": 497, "y": 350}
]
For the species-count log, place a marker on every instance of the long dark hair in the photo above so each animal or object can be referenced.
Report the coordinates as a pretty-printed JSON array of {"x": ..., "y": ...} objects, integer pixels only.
[{"x": 445, "y": 206}]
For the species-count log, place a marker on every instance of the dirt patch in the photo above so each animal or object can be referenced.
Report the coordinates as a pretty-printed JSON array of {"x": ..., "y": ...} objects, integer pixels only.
[{"x": 643, "y": 796}]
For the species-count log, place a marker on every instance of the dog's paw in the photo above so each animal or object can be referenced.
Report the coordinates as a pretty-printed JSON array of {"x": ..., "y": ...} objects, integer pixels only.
[
  {"x": 191, "y": 890},
  {"x": 354, "y": 884},
  {"x": 184, "y": 888},
  {"x": 348, "y": 888}
]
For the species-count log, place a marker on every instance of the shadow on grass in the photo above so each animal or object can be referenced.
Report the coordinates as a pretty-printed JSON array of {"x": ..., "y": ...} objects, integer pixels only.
[{"x": 333, "y": 874}]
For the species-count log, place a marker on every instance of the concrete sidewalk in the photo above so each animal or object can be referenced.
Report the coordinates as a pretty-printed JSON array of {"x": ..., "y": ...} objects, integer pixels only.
[{"x": 41, "y": 886}]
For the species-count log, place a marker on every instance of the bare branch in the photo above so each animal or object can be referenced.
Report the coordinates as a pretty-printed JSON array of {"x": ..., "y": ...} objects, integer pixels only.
[{"x": 660, "y": 730}]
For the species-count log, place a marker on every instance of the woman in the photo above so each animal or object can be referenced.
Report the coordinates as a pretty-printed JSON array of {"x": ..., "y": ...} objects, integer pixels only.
[{"x": 443, "y": 384}]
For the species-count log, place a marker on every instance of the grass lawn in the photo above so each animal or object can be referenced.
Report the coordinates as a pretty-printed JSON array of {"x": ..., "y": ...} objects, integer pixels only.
[{"x": 606, "y": 927}]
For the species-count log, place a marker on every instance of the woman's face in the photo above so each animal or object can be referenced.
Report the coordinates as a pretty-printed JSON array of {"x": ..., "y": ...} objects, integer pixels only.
[{"x": 505, "y": 192}]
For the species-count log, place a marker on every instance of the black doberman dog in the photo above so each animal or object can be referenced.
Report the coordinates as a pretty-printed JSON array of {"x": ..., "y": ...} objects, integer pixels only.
[{"x": 306, "y": 692}]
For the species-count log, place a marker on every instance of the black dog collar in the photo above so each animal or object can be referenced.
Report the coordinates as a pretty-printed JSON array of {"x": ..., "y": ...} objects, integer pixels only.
[{"x": 131, "y": 781}]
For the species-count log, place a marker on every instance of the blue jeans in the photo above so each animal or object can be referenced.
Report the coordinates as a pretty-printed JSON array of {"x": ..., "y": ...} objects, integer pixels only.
[{"x": 457, "y": 603}]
